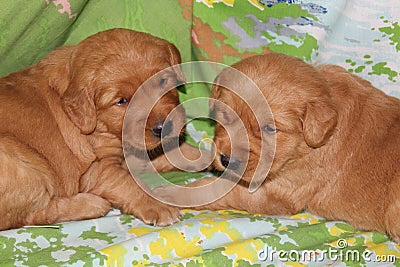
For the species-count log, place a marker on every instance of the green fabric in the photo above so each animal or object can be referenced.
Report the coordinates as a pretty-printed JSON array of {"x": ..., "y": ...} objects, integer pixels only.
[
  {"x": 29, "y": 30},
  {"x": 362, "y": 36}
]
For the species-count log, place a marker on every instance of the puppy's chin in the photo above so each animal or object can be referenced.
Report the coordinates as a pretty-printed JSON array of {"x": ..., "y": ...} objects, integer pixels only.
[{"x": 153, "y": 151}]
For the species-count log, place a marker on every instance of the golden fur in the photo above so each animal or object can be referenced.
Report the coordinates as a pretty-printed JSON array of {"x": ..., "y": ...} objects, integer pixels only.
[
  {"x": 337, "y": 144},
  {"x": 60, "y": 133}
]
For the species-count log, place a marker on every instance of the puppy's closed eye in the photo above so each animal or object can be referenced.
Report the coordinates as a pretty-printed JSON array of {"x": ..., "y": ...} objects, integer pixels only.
[
  {"x": 269, "y": 128},
  {"x": 169, "y": 82},
  {"x": 163, "y": 81},
  {"x": 169, "y": 79}
]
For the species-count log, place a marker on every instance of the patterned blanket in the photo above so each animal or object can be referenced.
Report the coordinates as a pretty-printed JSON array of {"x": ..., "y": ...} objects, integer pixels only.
[{"x": 362, "y": 36}]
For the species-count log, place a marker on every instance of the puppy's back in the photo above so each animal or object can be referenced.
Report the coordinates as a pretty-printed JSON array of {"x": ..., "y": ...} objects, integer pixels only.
[{"x": 27, "y": 114}]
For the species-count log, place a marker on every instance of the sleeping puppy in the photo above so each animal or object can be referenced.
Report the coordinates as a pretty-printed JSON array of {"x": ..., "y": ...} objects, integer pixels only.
[
  {"x": 61, "y": 119},
  {"x": 337, "y": 144}
]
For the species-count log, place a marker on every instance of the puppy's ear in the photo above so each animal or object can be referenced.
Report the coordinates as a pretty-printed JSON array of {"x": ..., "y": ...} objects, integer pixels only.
[
  {"x": 78, "y": 103},
  {"x": 56, "y": 67},
  {"x": 319, "y": 122},
  {"x": 175, "y": 59}
]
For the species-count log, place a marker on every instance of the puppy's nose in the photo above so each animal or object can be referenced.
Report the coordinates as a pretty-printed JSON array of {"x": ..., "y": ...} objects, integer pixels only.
[
  {"x": 229, "y": 162},
  {"x": 162, "y": 129}
]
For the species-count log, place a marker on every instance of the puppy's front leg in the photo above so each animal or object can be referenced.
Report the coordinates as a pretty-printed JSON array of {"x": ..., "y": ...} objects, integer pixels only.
[
  {"x": 268, "y": 199},
  {"x": 185, "y": 158},
  {"x": 107, "y": 178}
]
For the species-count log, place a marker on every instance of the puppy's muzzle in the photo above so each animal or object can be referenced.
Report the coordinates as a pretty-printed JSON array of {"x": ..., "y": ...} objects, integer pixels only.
[
  {"x": 162, "y": 129},
  {"x": 230, "y": 163}
]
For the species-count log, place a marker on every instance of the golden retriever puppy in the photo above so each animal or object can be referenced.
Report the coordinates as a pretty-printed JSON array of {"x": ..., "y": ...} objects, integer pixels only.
[
  {"x": 337, "y": 144},
  {"x": 61, "y": 119}
]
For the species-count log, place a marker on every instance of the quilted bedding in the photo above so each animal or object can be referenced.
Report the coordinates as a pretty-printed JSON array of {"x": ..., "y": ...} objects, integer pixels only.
[{"x": 362, "y": 36}]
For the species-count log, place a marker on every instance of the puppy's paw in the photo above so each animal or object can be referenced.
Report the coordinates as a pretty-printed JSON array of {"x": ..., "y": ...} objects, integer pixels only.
[
  {"x": 95, "y": 206},
  {"x": 157, "y": 213}
]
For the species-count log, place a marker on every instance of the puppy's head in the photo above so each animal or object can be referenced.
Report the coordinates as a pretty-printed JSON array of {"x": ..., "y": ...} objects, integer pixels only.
[
  {"x": 302, "y": 115},
  {"x": 98, "y": 77}
]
